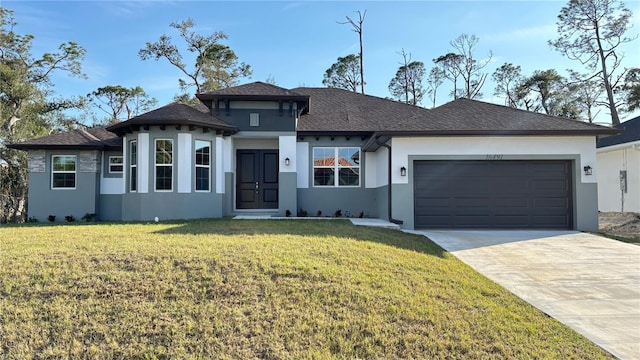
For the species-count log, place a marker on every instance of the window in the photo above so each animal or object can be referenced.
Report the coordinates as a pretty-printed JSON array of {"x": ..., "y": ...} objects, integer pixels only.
[
  {"x": 164, "y": 165},
  {"x": 343, "y": 161},
  {"x": 203, "y": 165},
  {"x": 63, "y": 172},
  {"x": 133, "y": 165},
  {"x": 115, "y": 164}
]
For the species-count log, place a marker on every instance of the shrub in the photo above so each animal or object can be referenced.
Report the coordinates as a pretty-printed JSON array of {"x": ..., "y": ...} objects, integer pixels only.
[{"x": 88, "y": 217}]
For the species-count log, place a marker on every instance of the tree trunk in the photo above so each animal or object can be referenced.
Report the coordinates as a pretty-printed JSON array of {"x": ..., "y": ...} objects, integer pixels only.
[
  {"x": 615, "y": 120},
  {"x": 361, "y": 60}
]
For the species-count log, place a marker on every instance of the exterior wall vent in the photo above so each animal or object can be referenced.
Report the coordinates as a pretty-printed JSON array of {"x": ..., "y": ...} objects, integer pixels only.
[{"x": 254, "y": 119}]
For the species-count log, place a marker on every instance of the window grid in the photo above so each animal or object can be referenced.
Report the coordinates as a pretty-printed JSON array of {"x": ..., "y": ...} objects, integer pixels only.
[
  {"x": 164, "y": 165},
  {"x": 133, "y": 166},
  {"x": 63, "y": 171},
  {"x": 203, "y": 165},
  {"x": 341, "y": 161}
]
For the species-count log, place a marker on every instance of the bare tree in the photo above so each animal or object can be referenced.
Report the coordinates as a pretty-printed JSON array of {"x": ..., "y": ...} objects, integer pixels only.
[
  {"x": 590, "y": 31},
  {"x": 449, "y": 63},
  {"x": 434, "y": 80},
  {"x": 357, "y": 27},
  {"x": 507, "y": 77},
  {"x": 408, "y": 80},
  {"x": 470, "y": 68},
  {"x": 587, "y": 93}
]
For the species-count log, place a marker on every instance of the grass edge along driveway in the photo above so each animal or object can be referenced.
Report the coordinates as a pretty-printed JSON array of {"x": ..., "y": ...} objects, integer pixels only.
[{"x": 257, "y": 289}]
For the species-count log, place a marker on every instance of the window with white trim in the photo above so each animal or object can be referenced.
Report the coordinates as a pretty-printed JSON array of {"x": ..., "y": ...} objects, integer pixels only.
[
  {"x": 336, "y": 166},
  {"x": 63, "y": 171},
  {"x": 164, "y": 164},
  {"x": 115, "y": 164},
  {"x": 203, "y": 165},
  {"x": 133, "y": 165}
]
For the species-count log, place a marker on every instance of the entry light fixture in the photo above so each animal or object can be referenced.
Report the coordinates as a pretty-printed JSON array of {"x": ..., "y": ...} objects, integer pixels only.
[
  {"x": 403, "y": 171},
  {"x": 588, "y": 170},
  {"x": 287, "y": 162}
]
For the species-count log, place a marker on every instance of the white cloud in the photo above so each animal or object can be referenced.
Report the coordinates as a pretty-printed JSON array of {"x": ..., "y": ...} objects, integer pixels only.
[{"x": 129, "y": 9}]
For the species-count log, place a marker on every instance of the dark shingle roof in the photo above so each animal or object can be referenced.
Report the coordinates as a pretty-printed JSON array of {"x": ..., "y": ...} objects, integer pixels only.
[
  {"x": 465, "y": 115},
  {"x": 97, "y": 138},
  {"x": 630, "y": 133},
  {"x": 336, "y": 110},
  {"x": 328, "y": 110},
  {"x": 253, "y": 91},
  {"x": 174, "y": 114}
]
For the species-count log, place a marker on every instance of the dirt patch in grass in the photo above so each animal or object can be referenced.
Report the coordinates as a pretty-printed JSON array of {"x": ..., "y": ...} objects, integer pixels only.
[{"x": 625, "y": 224}]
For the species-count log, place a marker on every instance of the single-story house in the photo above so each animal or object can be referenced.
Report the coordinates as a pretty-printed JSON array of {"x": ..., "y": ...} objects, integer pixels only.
[
  {"x": 619, "y": 169},
  {"x": 262, "y": 149}
]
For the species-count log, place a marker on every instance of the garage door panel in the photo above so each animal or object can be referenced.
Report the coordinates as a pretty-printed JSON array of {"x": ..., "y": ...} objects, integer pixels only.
[
  {"x": 512, "y": 221},
  {"x": 544, "y": 203},
  {"x": 511, "y": 203},
  {"x": 545, "y": 185},
  {"x": 541, "y": 221},
  {"x": 492, "y": 194},
  {"x": 437, "y": 221}
]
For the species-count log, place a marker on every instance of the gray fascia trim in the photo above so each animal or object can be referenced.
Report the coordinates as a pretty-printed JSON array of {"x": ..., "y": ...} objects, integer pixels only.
[
  {"x": 372, "y": 144},
  {"x": 364, "y": 134},
  {"x": 60, "y": 147},
  {"x": 121, "y": 129},
  {"x": 589, "y": 132},
  {"x": 304, "y": 98}
]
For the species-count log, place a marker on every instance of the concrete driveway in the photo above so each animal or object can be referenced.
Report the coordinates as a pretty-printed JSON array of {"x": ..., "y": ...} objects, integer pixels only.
[{"x": 587, "y": 282}]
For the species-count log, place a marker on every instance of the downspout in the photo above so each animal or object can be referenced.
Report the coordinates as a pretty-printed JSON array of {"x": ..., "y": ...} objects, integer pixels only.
[{"x": 391, "y": 219}]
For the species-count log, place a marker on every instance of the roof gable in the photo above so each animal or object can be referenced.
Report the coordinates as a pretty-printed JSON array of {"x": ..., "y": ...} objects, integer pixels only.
[{"x": 630, "y": 133}]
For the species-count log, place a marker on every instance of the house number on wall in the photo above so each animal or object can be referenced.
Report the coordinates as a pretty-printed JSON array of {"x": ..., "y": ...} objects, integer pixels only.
[{"x": 494, "y": 157}]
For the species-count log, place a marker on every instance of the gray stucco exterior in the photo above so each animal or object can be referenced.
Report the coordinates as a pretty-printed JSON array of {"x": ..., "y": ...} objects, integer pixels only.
[
  {"x": 351, "y": 201},
  {"x": 264, "y": 118},
  {"x": 44, "y": 200},
  {"x": 585, "y": 195}
]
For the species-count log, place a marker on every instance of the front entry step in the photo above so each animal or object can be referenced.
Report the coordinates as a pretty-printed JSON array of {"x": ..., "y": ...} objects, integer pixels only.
[{"x": 253, "y": 217}]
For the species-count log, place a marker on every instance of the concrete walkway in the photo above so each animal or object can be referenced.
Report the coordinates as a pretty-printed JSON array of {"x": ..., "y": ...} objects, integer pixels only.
[{"x": 587, "y": 282}]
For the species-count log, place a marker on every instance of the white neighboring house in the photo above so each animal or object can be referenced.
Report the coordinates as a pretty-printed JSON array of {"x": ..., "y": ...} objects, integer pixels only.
[{"x": 618, "y": 173}]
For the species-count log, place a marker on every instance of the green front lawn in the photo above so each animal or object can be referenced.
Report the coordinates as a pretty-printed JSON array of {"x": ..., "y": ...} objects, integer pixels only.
[{"x": 240, "y": 289}]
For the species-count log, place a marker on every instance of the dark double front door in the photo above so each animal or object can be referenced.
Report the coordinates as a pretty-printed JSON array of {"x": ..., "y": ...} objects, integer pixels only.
[{"x": 257, "y": 179}]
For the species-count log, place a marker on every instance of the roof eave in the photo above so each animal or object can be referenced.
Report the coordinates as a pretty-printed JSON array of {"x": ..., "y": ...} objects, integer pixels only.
[
  {"x": 590, "y": 132},
  {"x": 302, "y": 133},
  {"x": 205, "y": 96},
  {"x": 631, "y": 144},
  {"x": 61, "y": 147},
  {"x": 122, "y": 128}
]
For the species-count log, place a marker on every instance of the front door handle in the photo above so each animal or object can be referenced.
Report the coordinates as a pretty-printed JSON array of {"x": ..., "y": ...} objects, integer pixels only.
[{"x": 257, "y": 187}]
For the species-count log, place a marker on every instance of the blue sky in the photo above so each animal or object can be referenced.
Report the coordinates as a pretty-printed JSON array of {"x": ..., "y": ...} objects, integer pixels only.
[{"x": 295, "y": 42}]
